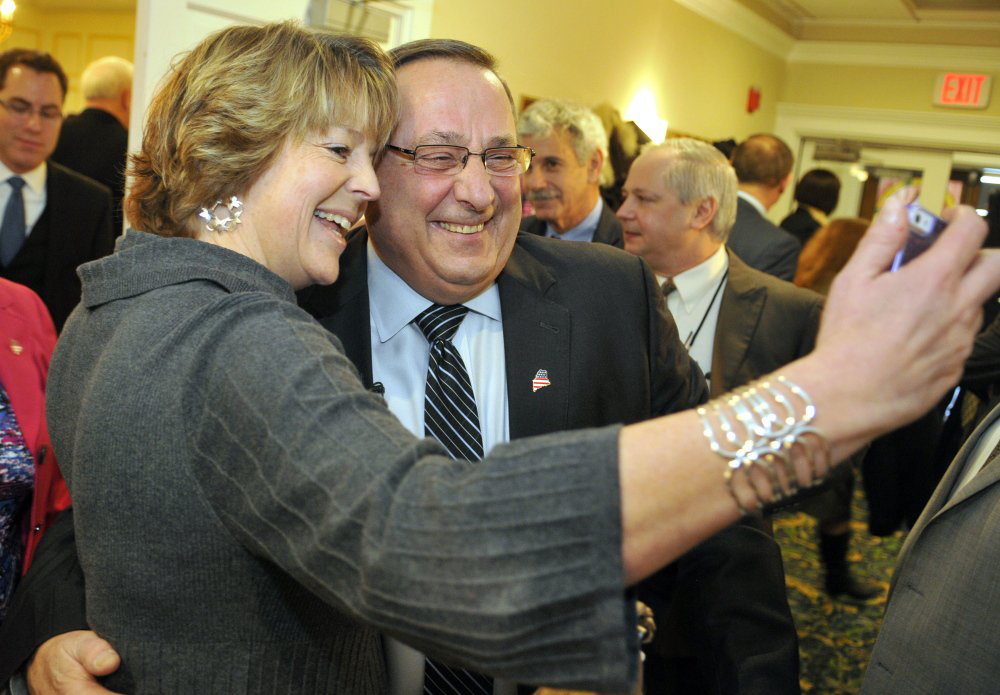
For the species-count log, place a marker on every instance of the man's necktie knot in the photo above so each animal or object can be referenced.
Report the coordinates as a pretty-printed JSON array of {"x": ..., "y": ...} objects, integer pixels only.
[
  {"x": 668, "y": 287},
  {"x": 439, "y": 322}
]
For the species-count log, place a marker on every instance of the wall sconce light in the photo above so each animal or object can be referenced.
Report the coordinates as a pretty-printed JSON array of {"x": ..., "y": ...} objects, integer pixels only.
[
  {"x": 7, "y": 8},
  {"x": 642, "y": 111}
]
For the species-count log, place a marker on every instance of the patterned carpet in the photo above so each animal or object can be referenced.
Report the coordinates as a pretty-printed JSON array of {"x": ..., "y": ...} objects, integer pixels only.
[{"x": 835, "y": 637}]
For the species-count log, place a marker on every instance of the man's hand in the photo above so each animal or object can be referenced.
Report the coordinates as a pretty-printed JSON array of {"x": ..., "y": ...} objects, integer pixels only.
[{"x": 70, "y": 663}]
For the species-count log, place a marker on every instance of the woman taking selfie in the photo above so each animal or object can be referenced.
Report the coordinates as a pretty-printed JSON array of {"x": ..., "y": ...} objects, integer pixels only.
[{"x": 249, "y": 517}]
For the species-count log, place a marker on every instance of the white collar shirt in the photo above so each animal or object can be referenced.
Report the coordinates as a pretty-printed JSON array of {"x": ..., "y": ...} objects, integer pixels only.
[{"x": 695, "y": 305}]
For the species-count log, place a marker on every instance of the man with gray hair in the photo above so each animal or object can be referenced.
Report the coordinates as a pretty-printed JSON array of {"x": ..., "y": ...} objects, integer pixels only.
[
  {"x": 738, "y": 324},
  {"x": 94, "y": 142},
  {"x": 563, "y": 181}
]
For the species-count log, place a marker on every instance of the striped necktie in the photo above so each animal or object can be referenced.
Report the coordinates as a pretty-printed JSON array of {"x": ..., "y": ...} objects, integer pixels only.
[
  {"x": 13, "y": 227},
  {"x": 450, "y": 413},
  {"x": 451, "y": 417}
]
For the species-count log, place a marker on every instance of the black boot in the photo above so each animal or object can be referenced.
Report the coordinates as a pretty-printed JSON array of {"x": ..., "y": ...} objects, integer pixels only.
[{"x": 839, "y": 582}]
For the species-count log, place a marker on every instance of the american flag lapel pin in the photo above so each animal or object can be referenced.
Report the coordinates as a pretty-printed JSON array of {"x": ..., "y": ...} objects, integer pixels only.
[{"x": 541, "y": 380}]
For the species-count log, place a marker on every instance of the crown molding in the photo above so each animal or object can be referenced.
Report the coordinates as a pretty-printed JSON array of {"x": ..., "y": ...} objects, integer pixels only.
[
  {"x": 744, "y": 22},
  {"x": 960, "y": 130},
  {"x": 901, "y": 55}
]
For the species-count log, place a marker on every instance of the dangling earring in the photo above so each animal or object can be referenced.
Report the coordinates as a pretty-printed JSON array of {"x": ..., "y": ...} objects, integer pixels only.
[{"x": 214, "y": 223}]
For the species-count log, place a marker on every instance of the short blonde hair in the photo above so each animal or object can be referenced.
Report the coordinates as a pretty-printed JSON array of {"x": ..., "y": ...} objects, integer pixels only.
[{"x": 228, "y": 107}]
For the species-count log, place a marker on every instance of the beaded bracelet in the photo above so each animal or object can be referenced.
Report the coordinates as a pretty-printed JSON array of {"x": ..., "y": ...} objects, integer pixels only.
[{"x": 767, "y": 426}]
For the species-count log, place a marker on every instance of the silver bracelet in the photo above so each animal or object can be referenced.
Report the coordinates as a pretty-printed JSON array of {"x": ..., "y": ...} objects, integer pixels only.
[{"x": 766, "y": 426}]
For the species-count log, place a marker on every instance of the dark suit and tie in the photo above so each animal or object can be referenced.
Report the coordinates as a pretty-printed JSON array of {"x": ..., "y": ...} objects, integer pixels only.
[
  {"x": 74, "y": 228},
  {"x": 740, "y": 324},
  {"x": 763, "y": 324}
]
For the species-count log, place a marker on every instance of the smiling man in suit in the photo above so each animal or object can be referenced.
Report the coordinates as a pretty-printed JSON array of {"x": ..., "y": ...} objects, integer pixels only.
[
  {"x": 563, "y": 181},
  {"x": 738, "y": 324},
  {"x": 53, "y": 219}
]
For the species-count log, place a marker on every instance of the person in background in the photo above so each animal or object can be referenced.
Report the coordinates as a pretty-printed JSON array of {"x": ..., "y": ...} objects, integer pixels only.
[
  {"x": 763, "y": 165},
  {"x": 823, "y": 257},
  {"x": 32, "y": 490},
  {"x": 816, "y": 193},
  {"x": 53, "y": 218},
  {"x": 828, "y": 251},
  {"x": 94, "y": 142},
  {"x": 563, "y": 182},
  {"x": 739, "y": 324}
]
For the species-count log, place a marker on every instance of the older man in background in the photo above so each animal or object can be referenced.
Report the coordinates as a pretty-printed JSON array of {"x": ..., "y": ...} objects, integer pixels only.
[
  {"x": 738, "y": 324},
  {"x": 94, "y": 142},
  {"x": 563, "y": 182}
]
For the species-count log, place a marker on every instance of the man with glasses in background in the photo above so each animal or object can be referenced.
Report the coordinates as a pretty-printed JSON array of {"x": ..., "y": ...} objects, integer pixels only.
[{"x": 53, "y": 219}]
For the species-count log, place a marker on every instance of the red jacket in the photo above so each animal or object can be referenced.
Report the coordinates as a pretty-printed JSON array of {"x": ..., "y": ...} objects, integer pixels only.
[{"x": 27, "y": 338}]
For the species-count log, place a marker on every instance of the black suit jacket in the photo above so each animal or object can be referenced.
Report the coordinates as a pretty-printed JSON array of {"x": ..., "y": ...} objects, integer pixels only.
[
  {"x": 609, "y": 229},
  {"x": 74, "y": 228},
  {"x": 761, "y": 244},
  {"x": 750, "y": 645},
  {"x": 94, "y": 143}
]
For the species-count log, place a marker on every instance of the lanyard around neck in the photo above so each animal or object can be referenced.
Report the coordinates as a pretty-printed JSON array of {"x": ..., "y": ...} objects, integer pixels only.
[{"x": 693, "y": 336}]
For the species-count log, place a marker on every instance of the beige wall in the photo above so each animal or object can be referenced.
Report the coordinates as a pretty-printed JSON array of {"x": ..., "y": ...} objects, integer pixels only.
[
  {"x": 905, "y": 89},
  {"x": 592, "y": 51},
  {"x": 75, "y": 38}
]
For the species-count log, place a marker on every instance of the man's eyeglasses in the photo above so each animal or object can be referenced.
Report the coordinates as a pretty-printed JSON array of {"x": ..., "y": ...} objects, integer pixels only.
[
  {"x": 451, "y": 159},
  {"x": 23, "y": 110}
]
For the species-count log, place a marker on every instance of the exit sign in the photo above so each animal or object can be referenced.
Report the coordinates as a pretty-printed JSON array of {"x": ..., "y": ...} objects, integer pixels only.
[{"x": 962, "y": 90}]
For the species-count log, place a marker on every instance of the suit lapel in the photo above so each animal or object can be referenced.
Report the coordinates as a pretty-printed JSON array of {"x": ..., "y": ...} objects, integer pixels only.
[
  {"x": 609, "y": 230},
  {"x": 342, "y": 308},
  {"x": 536, "y": 336},
  {"x": 940, "y": 501},
  {"x": 739, "y": 314}
]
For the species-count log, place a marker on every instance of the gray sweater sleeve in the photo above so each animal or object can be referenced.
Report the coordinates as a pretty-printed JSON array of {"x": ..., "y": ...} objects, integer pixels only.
[{"x": 511, "y": 565}]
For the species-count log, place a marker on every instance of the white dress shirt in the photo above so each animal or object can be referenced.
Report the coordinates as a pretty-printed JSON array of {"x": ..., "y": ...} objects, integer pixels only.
[
  {"x": 695, "y": 303},
  {"x": 400, "y": 354}
]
